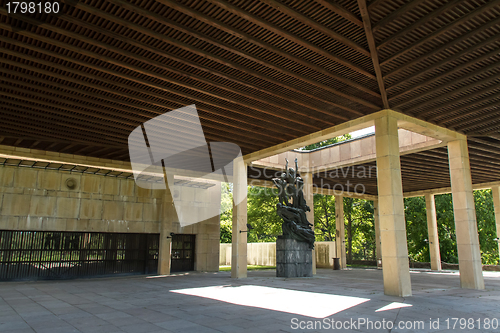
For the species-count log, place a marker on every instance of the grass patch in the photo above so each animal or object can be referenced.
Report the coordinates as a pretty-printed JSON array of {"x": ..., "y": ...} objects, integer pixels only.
[
  {"x": 360, "y": 266},
  {"x": 249, "y": 267}
]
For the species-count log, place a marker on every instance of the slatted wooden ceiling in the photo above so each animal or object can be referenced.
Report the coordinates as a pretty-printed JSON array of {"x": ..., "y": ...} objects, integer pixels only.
[{"x": 260, "y": 72}]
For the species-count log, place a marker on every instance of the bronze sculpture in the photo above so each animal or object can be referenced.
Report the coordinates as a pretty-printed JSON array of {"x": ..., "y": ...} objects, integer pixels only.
[{"x": 295, "y": 224}]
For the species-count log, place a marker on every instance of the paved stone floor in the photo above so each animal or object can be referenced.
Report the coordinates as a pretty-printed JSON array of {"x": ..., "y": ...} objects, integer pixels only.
[{"x": 147, "y": 304}]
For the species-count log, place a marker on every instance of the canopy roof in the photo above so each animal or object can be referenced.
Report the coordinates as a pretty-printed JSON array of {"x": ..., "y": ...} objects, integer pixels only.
[{"x": 260, "y": 72}]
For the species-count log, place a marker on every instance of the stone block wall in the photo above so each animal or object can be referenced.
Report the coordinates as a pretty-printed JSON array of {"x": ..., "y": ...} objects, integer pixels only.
[{"x": 39, "y": 199}]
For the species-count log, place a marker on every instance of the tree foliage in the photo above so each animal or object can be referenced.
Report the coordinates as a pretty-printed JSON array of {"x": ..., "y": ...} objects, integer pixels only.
[
  {"x": 327, "y": 142},
  {"x": 226, "y": 216}
]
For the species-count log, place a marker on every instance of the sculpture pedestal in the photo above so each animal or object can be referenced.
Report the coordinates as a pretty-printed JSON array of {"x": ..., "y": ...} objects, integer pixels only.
[{"x": 293, "y": 258}]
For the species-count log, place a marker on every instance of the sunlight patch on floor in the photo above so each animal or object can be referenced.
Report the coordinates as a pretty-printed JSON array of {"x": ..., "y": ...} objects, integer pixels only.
[{"x": 315, "y": 305}]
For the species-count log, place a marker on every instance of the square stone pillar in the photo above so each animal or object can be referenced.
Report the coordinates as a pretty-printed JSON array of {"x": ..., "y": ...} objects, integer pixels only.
[
  {"x": 309, "y": 196},
  {"x": 396, "y": 269},
  {"x": 376, "y": 222},
  {"x": 469, "y": 255},
  {"x": 495, "y": 190},
  {"x": 430, "y": 207},
  {"x": 168, "y": 216},
  {"x": 340, "y": 231},
  {"x": 239, "y": 239}
]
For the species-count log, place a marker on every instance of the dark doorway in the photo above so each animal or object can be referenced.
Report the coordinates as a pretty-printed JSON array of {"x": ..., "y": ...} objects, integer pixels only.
[
  {"x": 182, "y": 253},
  {"x": 34, "y": 255}
]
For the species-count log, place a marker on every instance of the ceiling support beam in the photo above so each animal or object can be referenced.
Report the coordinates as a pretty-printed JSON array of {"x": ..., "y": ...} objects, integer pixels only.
[
  {"x": 266, "y": 25},
  {"x": 341, "y": 11},
  {"x": 34, "y": 144},
  {"x": 373, "y": 51},
  {"x": 398, "y": 12},
  {"x": 419, "y": 23},
  {"x": 440, "y": 32},
  {"x": 316, "y": 26}
]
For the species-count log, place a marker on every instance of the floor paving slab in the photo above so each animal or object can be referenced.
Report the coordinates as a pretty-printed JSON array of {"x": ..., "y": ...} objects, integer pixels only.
[{"x": 139, "y": 304}]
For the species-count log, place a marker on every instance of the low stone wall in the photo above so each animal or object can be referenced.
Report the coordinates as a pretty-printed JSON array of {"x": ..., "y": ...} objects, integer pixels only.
[{"x": 264, "y": 254}]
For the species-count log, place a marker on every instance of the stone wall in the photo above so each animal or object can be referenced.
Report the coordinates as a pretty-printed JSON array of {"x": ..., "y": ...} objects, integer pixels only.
[
  {"x": 264, "y": 254},
  {"x": 40, "y": 199}
]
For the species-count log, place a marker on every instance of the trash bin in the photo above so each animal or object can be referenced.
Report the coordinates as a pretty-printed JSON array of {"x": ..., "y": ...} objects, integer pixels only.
[{"x": 336, "y": 264}]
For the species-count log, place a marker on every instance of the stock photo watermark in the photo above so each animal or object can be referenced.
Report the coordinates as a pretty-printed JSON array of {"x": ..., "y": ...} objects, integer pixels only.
[{"x": 452, "y": 324}]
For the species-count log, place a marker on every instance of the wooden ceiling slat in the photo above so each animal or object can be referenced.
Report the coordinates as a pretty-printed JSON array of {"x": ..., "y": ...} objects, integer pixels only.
[
  {"x": 453, "y": 124},
  {"x": 316, "y": 26},
  {"x": 259, "y": 75},
  {"x": 135, "y": 117},
  {"x": 440, "y": 32},
  {"x": 151, "y": 94},
  {"x": 230, "y": 30},
  {"x": 419, "y": 23},
  {"x": 267, "y": 78},
  {"x": 443, "y": 75},
  {"x": 437, "y": 65},
  {"x": 469, "y": 96},
  {"x": 204, "y": 68},
  {"x": 193, "y": 64},
  {"x": 395, "y": 14},
  {"x": 153, "y": 85},
  {"x": 155, "y": 75},
  {"x": 474, "y": 103},
  {"x": 280, "y": 32}
]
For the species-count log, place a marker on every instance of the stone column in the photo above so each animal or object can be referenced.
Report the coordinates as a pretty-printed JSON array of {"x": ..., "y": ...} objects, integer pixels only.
[
  {"x": 376, "y": 222},
  {"x": 469, "y": 255},
  {"x": 309, "y": 196},
  {"x": 168, "y": 215},
  {"x": 340, "y": 231},
  {"x": 495, "y": 190},
  {"x": 239, "y": 239},
  {"x": 430, "y": 206},
  {"x": 396, "y": 270}
]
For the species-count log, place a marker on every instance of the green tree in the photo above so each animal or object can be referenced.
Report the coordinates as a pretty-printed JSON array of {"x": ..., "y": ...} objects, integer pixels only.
[
  {"x": 226, "y": 216},
  {"x": 359, "y": 229},
  {"x": 416, "y": 229},
  {"x": 324, "y": 217},
  {"x": 486, "y": 226},
  {"x": 327, "y": 142},
  {"x": 262, "y": 214}
]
